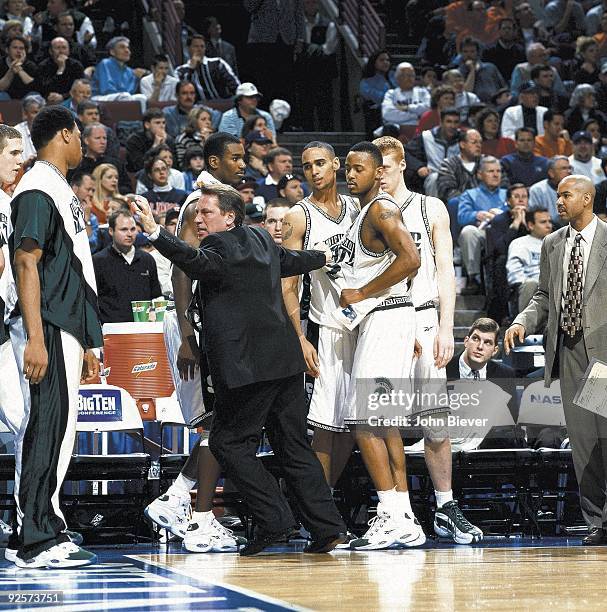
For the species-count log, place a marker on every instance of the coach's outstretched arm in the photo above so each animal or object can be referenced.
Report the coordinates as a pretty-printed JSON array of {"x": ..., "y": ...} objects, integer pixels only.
[
  {"x": 387, "y": 223},
  {"x": 196, "y": 263}
]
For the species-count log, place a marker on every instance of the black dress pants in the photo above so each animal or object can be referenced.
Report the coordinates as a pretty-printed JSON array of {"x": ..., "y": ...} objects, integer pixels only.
[{"x": 279, "y": 405}]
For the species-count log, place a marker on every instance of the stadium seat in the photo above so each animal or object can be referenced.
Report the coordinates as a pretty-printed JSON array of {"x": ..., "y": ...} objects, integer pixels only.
[
  {"x": 113, "y": 112},
  {"x": 11, "y": 111}
]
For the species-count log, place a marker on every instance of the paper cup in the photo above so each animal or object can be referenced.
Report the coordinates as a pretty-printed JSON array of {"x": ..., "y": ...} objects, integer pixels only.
[
  {"x": 141, "y": 310},
  {"x": 160, "y": 306}
]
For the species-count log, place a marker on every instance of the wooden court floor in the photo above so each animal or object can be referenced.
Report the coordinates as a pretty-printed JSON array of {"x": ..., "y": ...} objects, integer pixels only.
[{"x": 561, "y": 576}]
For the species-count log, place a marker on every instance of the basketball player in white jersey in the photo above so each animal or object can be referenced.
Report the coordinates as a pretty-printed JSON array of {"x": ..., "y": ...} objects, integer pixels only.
[
  {"x": 224, "y": 160},
  {"x": 434, "y": 285},
  {"x": 376, "y": 258},
  {"x": 11, "y": 399},
  {"x": 324, "y": 216}
]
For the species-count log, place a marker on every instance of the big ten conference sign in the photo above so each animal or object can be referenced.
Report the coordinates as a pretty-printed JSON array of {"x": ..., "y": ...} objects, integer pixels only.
[{"x": 99, "y": 405}]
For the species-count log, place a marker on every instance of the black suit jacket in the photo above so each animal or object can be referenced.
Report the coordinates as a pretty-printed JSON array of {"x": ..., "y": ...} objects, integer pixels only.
[{"x": 245, "y": 331}]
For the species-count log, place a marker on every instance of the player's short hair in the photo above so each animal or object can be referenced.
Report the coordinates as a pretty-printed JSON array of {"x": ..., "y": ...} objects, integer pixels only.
[
  {"x": 388, "y": 145},
  {"x": 514, "y": 187},
  {"x": 216, "y": 144},
  {"x": 275, "y": 203},
  {"x": 319, "y": 144},
  {"x": 486, "y": 326},
  {"x": 48, "y": 122},
  {"x": 229, "y": 200},
  {"x": 530, "y": 214},
  {"x": 370, "y": 149},
  {"x": 6, "y": 133}
]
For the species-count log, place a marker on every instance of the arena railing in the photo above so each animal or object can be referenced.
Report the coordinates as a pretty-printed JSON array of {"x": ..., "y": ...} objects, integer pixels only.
[{"x": 365, "y": 25}]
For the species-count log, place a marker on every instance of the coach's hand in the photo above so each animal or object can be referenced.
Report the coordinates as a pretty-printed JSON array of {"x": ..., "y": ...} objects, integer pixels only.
[
  {"x": 311, "y": 357},
  {"x": 187, "y": 359},
  {"x": 444, "y": 346},
  {"x": 35, "y": 360},
  {"x": 350, "y": 296},
  {"x": 512, "y": 333},
  {"x": 140, "y": 207},
  {"x": 90, "y": 367},
  {"x": 322, "y": 246}
]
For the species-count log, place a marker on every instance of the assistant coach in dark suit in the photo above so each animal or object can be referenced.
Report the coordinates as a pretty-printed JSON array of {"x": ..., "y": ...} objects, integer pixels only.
[
  {"x": 570, "y": 303},
  {"x": 256, "y": 364}
]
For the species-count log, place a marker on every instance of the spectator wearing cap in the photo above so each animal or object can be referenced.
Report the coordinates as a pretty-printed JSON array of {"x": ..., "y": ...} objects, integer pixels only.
[
  {"x": 212, "y": 77},
  {"x": 18, "y": 74},
  {"x": 425, "y": 153},
  {"x": 405, "y": 104},
  {"x": 245, "y": 105},
  {"x": 197, "y": 130},
  {"x": 254, "y": 214},
  {"x": 57, "y": 72},
  {"x": 583, "y": 161},
  {"x": 257, "y": 146},
  {"x": 582, "y": 107},
  {"x": 555, "y": 140},
  {"x": 273, "y": 215},
  {"x": 290, "y": 188},
  {"x": 31, "y": 106},
  {"x": 159, "y": 86},
  {"x": 537, "y": 55},
  {"x": 113, "y": 79},
  {"x": 193, "y": 164},
  {"x": 247, "y": 190},
  {"x": 506, "y": 52},
  {"x": 154, "y": 134},
  {"x": 483, "y": 78},
  {"x": 523, "y": 166},
  {"x": 279, "y": 162},
  {"x": 527, "y": 113},
  {"x": 163, "y": 196},
  {"x": 543, "y": 194}
]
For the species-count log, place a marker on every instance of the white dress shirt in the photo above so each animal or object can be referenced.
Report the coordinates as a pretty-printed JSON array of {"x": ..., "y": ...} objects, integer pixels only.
[
  {"x": 465, "y": 371},
  {"x": 585, "y": 244}
]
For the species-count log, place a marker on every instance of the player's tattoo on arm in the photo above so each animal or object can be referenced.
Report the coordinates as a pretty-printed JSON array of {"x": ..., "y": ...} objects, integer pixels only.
[
  {"x": 287, "y": 229},
  {"x": 388, "y": 214}
]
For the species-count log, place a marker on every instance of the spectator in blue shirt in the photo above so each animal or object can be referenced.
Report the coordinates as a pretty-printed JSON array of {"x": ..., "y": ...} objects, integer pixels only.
[
  {"x": 523, "y": 166},
  {"x": 475, "y": 210},
  {"x": 113, "y": 80},
  {"x": 246, "y": 101}
]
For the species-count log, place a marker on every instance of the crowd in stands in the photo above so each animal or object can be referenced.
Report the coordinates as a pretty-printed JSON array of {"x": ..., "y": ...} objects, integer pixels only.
[{"x": 515, "y": 101}]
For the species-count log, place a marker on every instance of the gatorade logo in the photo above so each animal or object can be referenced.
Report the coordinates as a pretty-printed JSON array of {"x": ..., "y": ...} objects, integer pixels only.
[{"x": 139, "y": 368}]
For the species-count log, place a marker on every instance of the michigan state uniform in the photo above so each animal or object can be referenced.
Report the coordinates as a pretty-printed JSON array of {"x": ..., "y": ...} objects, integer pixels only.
[
  {"x": 386, "y": 335},
  {"x": 327, "y": 393},
  {"x": 11, "y": 400},
  {"x": 45, "y": 210}
]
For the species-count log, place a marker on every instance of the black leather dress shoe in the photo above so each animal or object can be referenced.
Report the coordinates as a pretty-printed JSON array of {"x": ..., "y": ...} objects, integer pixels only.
[
  {"x": 326, "y": 544},
  {"x": 596, "y": 537},
  {"x": 263, "y": 540}
]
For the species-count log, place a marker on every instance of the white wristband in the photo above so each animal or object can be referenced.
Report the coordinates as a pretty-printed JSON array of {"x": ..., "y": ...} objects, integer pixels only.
[{"x": 154, "y": 234}]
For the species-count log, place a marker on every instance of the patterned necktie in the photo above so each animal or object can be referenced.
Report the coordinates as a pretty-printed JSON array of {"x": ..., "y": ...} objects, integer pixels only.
[
  {"x": 572, "y": 319},
  {"x": 476, "y": 375}
]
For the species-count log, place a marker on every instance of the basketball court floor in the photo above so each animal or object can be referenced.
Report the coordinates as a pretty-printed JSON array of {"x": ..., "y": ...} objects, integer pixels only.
[{"x": 501, "y": 574}]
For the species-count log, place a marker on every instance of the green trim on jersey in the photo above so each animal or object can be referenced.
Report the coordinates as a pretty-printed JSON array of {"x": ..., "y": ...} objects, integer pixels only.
[{"x": 67, "y": 301}]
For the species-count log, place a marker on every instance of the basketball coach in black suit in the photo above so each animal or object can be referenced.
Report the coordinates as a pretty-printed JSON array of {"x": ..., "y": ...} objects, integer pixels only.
[{"x": 256, "y": 364}]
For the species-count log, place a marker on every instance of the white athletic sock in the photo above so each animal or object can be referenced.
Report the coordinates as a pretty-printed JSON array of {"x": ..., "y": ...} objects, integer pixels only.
[
  {"x": 442, "y": 497},
  {"x": 402, "y": 503},
  {"x": 181, "y": 487},
  {"x": 202, "y": 518},
  {"x": 385, "y": 497}
]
